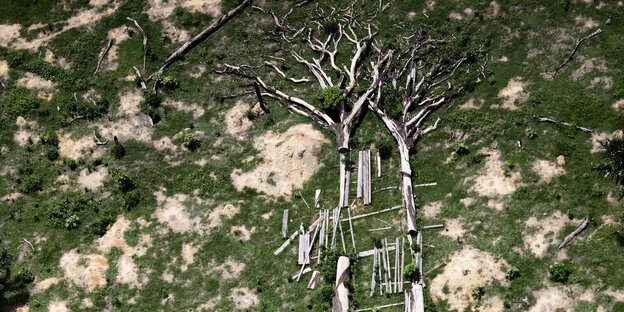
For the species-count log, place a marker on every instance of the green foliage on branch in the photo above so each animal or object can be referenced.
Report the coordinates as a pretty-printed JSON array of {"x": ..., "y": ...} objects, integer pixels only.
[{"x": 329, "y": 98}]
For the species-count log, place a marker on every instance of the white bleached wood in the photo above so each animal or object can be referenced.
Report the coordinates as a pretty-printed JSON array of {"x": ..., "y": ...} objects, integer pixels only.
[
  {"x": 285, "y": 224},
  {"x": 340, "y": 302},
  {"x": 314, "y": 279},
  {"x": 351, "y": 229},
  {"x": 317, "y": 198},
  {"x": 304, "y": 248},
  {"x": 371, "y": 214}
]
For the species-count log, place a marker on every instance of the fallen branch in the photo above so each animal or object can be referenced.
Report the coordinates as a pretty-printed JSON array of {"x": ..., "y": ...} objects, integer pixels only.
[
  {"x": 582, "y": 226},
  {"x": 31, "y": 245},
  {"x": 371, "y": 214},
  {"x": 144, "y": 40},
  {"x": 578, "y": 44},
  {"x": 437, "y": 226},
  {"x": 97, "y": 141},
  {"x": 547, "y": 119},
  {"x": 427, "y": 184},
  {"x": 99, "y": 63},
  {"x": 380, "y": 307},
  {"x": 441, "y": 265}
]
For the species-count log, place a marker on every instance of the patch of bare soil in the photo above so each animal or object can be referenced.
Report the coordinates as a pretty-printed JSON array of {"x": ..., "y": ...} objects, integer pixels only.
[
  {"x": 605, "y": 81},
  {"x": 160, "y": 9},
  {"x": 547, "y": 169},
  {"x": 453, "y": 228},
  {"x": 227, "y": 211},
  {"x": 130, "y": 103},
  {"x": 242, "y": 233},
  {"x": 119, "y": 34},
  {"x": 26, "y": 130},
  {"x": 58, "y": 306},
  {"x": 597, "y": 137},
  {"x": 45, "y": 284},
  {"x": 243, "y": 297},
  {"x": 197, "y": 110},
  {"x": 43, "y": 87},
  {"x": 52, "y": 59},
  {"x": 514, "y": 92},
  {"x": 91, "y": 275},
  {"x": 188, "y": 255},
  {"x": 586, "y": 23},
  {"x": 617, "y": 105},
  {"x": 467, "y": 201},
  {"x": 75, "y": 149},
  {"x": 545, "y": 234},
  {"x": 432, "y": 209},
  {"x": 173, "y": 213},
  {"x": 199, "y": 70},
  {"x": 493, "y": 183},
  {"x": 588, "y": 65},
  {"x": 559, "y": 298},
  {"x": 174, "y": 33},
  {"x": 236, "y": 120},
  {"x": 229, "y": 269},
  {"x": 165, "y": 143},
  {"x": 136, "y": 127},
  {"x": 289, "y": 161},
  {"x": 472, "y": 103},
  {"x": 4, "y": 69},
  {"x": 93, "y": 180},
  {"x": 466, "y": 267},
  {"x": 12, "y": 196}
]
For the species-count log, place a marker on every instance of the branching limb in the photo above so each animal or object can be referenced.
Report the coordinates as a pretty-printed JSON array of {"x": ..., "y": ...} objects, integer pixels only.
[
  {"x": 281, "y": 73},
  {"x": 551, "y": 120},
  {"x": 578, "y": 44},
  {"x": 144, "y": 40}
]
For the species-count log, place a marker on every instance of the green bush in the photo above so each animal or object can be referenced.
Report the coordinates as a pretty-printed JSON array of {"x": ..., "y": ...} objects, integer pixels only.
[
  {"x": 31, "y": 184},
  {"x": 512, "y": 272},
  {"x": 411, "y": 271},
  {"x": 532, "y": 134},
  {"x": 329, "y": 98},
  {"x": 190, "y": 140},
  {"x": 19, "y": 102},
  {"x": 391, "y": 102},
  {"x": 24, "y": 275},
  {"x": 52, "y": 153},
  {"x": 50, "y": 138},
  {"x": 150, "y": 105},
  {"x": 131, "y": 199},
  {"x": 168, "y": 82},
  {"x": 101, "y": 223},
  {"x": 461, "y": 148},
  {"x": 327, "y": 292},
  {"x": 560, "y": 272},
  {"x": 123, "y": 180},
  {"x": 15, "y": 58},
  {"x": 329, "y": 264},
  {"x": 477, "y": 291}
]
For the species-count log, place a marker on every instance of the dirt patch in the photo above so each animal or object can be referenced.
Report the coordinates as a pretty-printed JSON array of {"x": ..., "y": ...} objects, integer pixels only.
[
  {"x": 605, "y": 81},
  {"x": 456, "y": 16},
  {"x": 586, "y": 23},
  {"x": 467, "y": 201},
  {"x": 198, "y": 72},
  {"x": 93, "y": 180},
  {"x": 9, "y": 33},
  {"x": 513, "y": 92},
  {"x": 229, "y": 269},
  {"x": 289, "y": 161},
  {"x": 4, "y": 69},
  {"x": 173, "y": 213},
  {"x": 597, "y": 137},
  {"x": 74, "y": 149},
  {"x": 472, "y": 103},
  {"x": 432, "y": 209},
  {"x": 58, "y": 306},
  {"x": 137, "y": 127},
  {"x": 227, "y": 211},
  {"x": 588, "y": 65},
  {"x": 618, "y": 105},
  {"x": 494, "y": 183},
  {"x": 165, "y": 143},
  {"x": 547, "y": 169},
  {"x": 197, "y": 110},
  {"x": 453, "y": 228},
  {"x": 235, "y": 118},
  {"x": 160, "y": 9},
  {"x": 130, "y": 103},
  {"x": 45, "y": 284},
  {"x": 25, "y": 130},
  {"x": 545, "y": 234},
  {"x": 242, "y": 233},
  {"x": 174, "y": 33},
  {"x": 556, "y": 298},
  {"x": 243, "y": 297},
  {"x": 119, "y": 34},
  {"x": 267, "y": 216},
  {"x": 466, "y": 267},
  {"x": 91, "y": 275},
  {"x": 13, "y": 196},
  {"x": 35, "y": 82},
  {"x": 188, "y": 255}
]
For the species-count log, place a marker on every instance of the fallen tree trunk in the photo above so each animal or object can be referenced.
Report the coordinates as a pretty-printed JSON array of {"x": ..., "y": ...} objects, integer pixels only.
[
  {"x": 340, "y": 303},
  {"x": 582, "y": 226},
  {"x": 578, "y": 44},
  {"x": 99, "y": 63},
  {"x": 551, "y": 120}
]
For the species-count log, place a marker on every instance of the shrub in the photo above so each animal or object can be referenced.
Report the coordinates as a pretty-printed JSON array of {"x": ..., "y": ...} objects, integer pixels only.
[
  {"x": 52, "y": 153},
  {"x": 327, "y": 292},
  {"x": 19, "y": 102},
  {"x": 329, "y": 264},
  {"x": 477, "y": 291},
  {"x": 25, "y": 276},
  {"x": 50, "y": 138},
  {"x": 123, "y": 181},
  {"x": 72, "y": 164},
  {"x": 391, "y": 102},
  {"x": 612, "y": 163},
  {"x": 131, "y": 199},
  {"x": 329, "y": 98},
  {"x": 101, "y": 223},
  {"x": 560, "y": 272},
  {"x": 532, "y": 134},
  {"x": 512, "y": 272},
  {"x": 151, "y": 104},
  {"x": 411, "y": 271},
  {"x": 190, "y": 140},
  {"x": 118, "y": 150},
  {"x": 31, "y": 184},
  {"x": 565, "y": 5},
  {"x": 461, "y": 148},
  {"x": 168, "y": 82},
  {"x": 15, "y": 58},
  {"x": 385, "y": 147}
]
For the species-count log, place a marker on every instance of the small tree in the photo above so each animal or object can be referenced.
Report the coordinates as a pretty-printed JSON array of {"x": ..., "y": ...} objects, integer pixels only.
[
  {"x": 612, "y": 164},
  {"x": 560, "y": 272},
  {"x": 123, "y": 180},
  {"x": 411, "y": 272}
]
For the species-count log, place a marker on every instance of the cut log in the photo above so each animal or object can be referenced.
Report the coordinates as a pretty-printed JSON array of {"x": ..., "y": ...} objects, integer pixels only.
[
  {"x": 373, "y": 275},
  {"x": 304, "y": 249},
  {"x": 380, "y": 229},
  {"x": 551, "y": 120},
  {"x": 402, "y": 272},
  {"x": 371, "y": 214},
  {"x": 300, "y": 273},
  {"x": 317, "y": 198},
  {"x": 314, "y": 279},
  {"x": 380, "y": 307},
  {"x": 441, "y": 265},
  {"x": 582, "y": 226},
  {"x": 378, "y": 165},
  {"x": 286, "y": 243},
  {"x": 368, "y": 253},
  {"x": 436, "y": 226},
  {"x": 340, "y": 303},
  {"x": 360, "y": 174},
  {"x": 366, "y": 179},
  {"x": 285, "y": 224},
  {"x": 396, "y": 266},
  {"x": 99, "y": 63},
  {"x": 351, "y": 229},
  {"x": 426, "y": 184},
  {"x": 344, "y": 247}
]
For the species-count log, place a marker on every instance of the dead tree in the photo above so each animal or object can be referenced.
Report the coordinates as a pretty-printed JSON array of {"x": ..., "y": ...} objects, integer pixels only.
[
  {"x": 319, "y": 56},
  {"x": 425, "y": 75}
]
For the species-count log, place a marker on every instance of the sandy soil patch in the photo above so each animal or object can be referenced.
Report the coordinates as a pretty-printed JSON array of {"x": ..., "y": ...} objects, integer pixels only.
[
  {"x": 127, "y": 271},
  {"x": 58, "y": 306},
  {"x": 75, "y": 149},
  {"x": 130, "y": 103},
  {"x": 167, "y": 276},
  {"x": 616, "y": 294},
  {"x": 597, "y": 137},
  {"x": 87, "y": 303},
  {"x": 45, "y": 284},
  {"x": 586, "y": 22},
  {"x": 173, "y": 213},
  {"x": 119, "y": 34},
  {"x": 174, "y": 33},
  {"x": 432, "y": 209},
  {"x": 588, "y": 65},
  {"x": 197, "y": 110},
  {"x": 466, "y": 267},
  {"x": 93, "y": 180},
  {"x": 547, "y": 169},
  {"x": 494, "y": 8},
  {"x": 90, "y": 276},
  {"x": 4, "y": 69},
  {"x": 136, "y": 127},
  {"x": 605, "y": 81},
  {"x": 267, "y": 216},
  {"x": 43, "y": 87},
  {"x": 472, "y": 103},
  {"x": 227, "y": 211},
  {"x": 493, "y": 183},
  {"x": 289, "y": 161},
  {"x": 242, "y": 233},
  {"x": 456, "y": 16},
  {"x": 235, "y": 118},
  {"x": 467, "y": 201},
  {"x": 618, "y": 105},
  {"x": 453, "y": 228},
  {"x": 12, "y": 196},
  {"x": 198, "y": 71},
  {"x": 52, "y": 59},
  {"x": 165, "y": 143},
  {"x": 514, "y": 91},
  {"x": 546, "y": 234},
  {"x": 160, "y": 9},
  {"x": 229, "y": 269},
  {"x": 26, "y": 130},
  {"x": 9, "y": 33},
  {"x": 555, "y": 298},
  {"x": 188, "y": 255},
  {"x": 243, "y": 297}
]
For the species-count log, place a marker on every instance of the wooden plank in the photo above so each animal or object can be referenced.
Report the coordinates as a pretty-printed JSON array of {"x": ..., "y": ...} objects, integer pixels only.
[
  {"x": 294, "y": 275},
  {"x": 314, "y": 279},
  {"x": 304, "y": 249},
  {"x": 351, "y": 229},
  {"x": 359, "y": 174},
  {"x": 401, "y": 274},
  {"x": 380, "y": 229},
  {"x": 321, "y": 237},
  {"x": 367, "y": 179},
  {"x": 426, "y": 184},
  {"x": 436, "y": 226},
  {"x": 373, "y": 275},
  {"x": 371, "y": 252},
  {"x": 285, "y": 224},
  {"x": 378, "y": 165},
  {"x": 378, "y": 253},
  {"x": 316, "y": 230},
  {"x": 344, "y": 247},
  {"x": 396, "y": 266},
  {"x": 371, "y": 214},
  {"x": 419, "y": 258},
  {"x": 286, "y": 243},
  {"x": 326, "y": 227},
  {"x": 418, "y": 297},
  {"x": 385, "y": 270},
  {"x": 317, "y": 198},
  {"x": 376, "y": 308},
  {"x": 388, "y": 269}
]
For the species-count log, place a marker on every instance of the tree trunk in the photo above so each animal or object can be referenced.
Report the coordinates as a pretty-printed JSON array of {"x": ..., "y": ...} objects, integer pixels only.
[
  {"x": 340, "y": 303},
  {"x": 343, "y": 134},
  {"x": 405, "y": 172}
]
